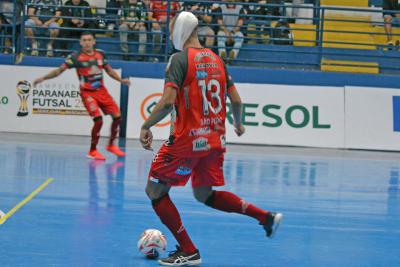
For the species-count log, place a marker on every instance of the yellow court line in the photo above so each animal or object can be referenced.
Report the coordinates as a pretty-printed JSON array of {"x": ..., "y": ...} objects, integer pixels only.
[{"x": 26, "y": 200}]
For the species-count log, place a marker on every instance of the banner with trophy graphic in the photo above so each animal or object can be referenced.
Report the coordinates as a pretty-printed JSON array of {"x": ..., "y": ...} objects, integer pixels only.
[{"x": 52, "y": 107}]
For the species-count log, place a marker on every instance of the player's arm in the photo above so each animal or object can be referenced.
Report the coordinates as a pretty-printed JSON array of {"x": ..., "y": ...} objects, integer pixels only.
[
  {"x": 239, "y": 22},
  {"x": 160, "y": 111},
  {"x": 50, "y": 75},
  {"x": 174, "y": 78},
  {"x": 236, "y": 104},
  {"x": 113, "y": 74}
]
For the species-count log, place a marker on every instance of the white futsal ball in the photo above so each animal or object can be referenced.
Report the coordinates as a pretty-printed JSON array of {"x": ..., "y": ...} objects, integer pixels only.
[
  {"x": 151, "y": 243},
  {"x": 2, "y": 214}
]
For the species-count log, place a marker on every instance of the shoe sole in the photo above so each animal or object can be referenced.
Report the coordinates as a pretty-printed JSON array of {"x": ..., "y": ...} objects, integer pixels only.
[
  {"x": 122, "y": 155},
  {"x": 191, "y": 263},
  {"x": 277, "y": 221},
  {"x": 90, "y": 157}
]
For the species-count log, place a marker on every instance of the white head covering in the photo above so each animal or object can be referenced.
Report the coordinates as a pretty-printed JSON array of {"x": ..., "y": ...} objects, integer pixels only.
[{"x": 184, "y": 25}]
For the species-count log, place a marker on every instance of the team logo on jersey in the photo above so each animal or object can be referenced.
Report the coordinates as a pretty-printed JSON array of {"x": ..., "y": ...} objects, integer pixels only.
[
  {"x": 147, "y": 106},
  {"x": 201, "y": 144},
  {"x": 202, "y": 54},
  {"x": 183, "y": 170}
]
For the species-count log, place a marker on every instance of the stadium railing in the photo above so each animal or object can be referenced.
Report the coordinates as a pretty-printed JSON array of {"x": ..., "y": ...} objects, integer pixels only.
[{"x": 320, "y": 38}]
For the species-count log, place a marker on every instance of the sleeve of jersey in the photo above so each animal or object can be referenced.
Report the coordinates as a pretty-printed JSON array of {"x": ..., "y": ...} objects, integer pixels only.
[
  {"x": 175, "y": 72},
  {"x": 69, "y": 62},
  {"x": 105, "y": 60}
]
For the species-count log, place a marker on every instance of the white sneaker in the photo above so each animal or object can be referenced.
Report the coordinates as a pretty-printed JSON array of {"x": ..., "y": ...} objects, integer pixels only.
[
  {"x": 50, "y": 50},
  {"x": 35, "y": 51}
]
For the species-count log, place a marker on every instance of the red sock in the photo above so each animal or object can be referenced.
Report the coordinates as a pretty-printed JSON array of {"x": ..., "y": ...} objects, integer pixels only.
[
  {"x": 169, "y": 216},
  {"x": 226, "y": 201},
  {"x": 98, "y": 122},
  {"x": 114, "y": 130}
]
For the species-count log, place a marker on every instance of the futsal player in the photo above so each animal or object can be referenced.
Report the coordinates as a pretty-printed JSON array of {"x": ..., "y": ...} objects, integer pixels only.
[
  {"x": 196, "y": 84},
  {"x": 89, "y": 64}
]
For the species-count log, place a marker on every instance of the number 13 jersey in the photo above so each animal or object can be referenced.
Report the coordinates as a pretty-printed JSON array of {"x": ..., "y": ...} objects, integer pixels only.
[{"x": 202, "y": 82}]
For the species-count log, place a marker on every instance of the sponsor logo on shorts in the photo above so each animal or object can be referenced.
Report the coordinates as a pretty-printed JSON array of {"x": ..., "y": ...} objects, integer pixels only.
[
  {"x": 183, "y": 170},
  {"x": 201, "y": 144}
]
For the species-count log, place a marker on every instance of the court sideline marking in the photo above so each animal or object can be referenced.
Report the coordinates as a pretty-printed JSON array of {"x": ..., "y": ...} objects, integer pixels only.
[{"x": 26, "y": 200}]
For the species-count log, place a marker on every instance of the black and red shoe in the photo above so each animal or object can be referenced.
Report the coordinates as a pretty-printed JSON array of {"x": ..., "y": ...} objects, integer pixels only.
[{"x": 272, "y": 223}]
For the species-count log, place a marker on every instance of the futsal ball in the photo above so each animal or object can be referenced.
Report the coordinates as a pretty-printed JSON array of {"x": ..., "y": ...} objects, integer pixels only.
[
  {"x": 151, "y": 243},
  {"x": 2, "y": 214}
]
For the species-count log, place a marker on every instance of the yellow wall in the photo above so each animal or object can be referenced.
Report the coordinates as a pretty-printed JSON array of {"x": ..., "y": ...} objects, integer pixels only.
[{"x": 358, "y": 3}]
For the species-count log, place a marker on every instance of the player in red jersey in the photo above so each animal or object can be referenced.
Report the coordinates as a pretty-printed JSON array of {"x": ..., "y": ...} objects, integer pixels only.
[
  {"x": 196, "y": 84},
  {"x": 89, "y": 64}
]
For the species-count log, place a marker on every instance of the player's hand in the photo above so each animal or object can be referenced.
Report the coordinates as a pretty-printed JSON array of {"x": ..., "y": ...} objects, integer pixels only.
[
  {"x": 126, "y": 81},
  {"x": 239, "y": 130},
  {"x": 146, "y": 139},
  {"x": 37, "y": 81}
]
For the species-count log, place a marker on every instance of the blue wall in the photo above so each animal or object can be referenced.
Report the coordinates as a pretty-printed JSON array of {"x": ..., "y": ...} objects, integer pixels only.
[{"x": 239, "y": 74}]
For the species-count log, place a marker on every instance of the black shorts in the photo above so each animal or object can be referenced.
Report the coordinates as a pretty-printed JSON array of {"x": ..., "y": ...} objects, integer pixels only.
[{"x": 390, "y": 5}]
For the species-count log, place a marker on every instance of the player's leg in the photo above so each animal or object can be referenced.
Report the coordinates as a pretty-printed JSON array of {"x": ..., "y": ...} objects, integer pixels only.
[
  {"x": 109, "y": 107},
  {"x": 208, "y": 173},
  {"x": 93, "y": 152},
  {"x": 162, "y": 176},
  {"x": 221, "y": 40},
  {"x": 54, "y": 29},
  {"x": 92, "y": 107},
  {"x": 30, "y": 33},
  {"x": 388, "y": 26}
]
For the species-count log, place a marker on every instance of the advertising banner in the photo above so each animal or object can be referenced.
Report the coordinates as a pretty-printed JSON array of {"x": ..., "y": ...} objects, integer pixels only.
[
  {"x": 52, "y": 107},
  {"x": 143, "y": 96},
  {"x": 272, "y": 114},
  {"x": 372, "y": 118}
]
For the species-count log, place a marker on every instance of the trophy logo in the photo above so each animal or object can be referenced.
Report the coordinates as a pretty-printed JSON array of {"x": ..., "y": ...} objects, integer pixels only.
[{"x": 23, "y": 88}]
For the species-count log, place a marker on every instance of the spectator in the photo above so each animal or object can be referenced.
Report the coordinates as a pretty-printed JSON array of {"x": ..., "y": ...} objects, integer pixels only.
[
  {"x": 230, "y": 23},
  {"x": 274, "y": 10},
  {"x": 202, "y": 11},
  {"x": 7, "y": 21},
  {"x": 43, "y": 14},
  {"x": 258, "y": 23},
  {"x": 159, "y": 17},
  {"x": 112, "y": 7},
  {"x": 389, "y": 8},
  {"x": 133, "y": 14},
  {"x": 79, "y": 14}
]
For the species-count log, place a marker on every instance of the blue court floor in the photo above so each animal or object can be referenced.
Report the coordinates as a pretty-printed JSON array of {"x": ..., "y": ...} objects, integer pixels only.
[{"x": 341, "y": 208}]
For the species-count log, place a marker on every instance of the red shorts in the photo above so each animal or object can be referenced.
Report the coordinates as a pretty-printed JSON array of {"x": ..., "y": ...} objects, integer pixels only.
[
  {"x": 96, "y": 100},
  {"x": 176, "y": 171}
]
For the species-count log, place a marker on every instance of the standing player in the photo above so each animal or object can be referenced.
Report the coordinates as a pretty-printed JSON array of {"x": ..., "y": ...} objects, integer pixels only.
[
  {"x": 196, "y": 85},
  {"x": 89, "y": 64}
]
